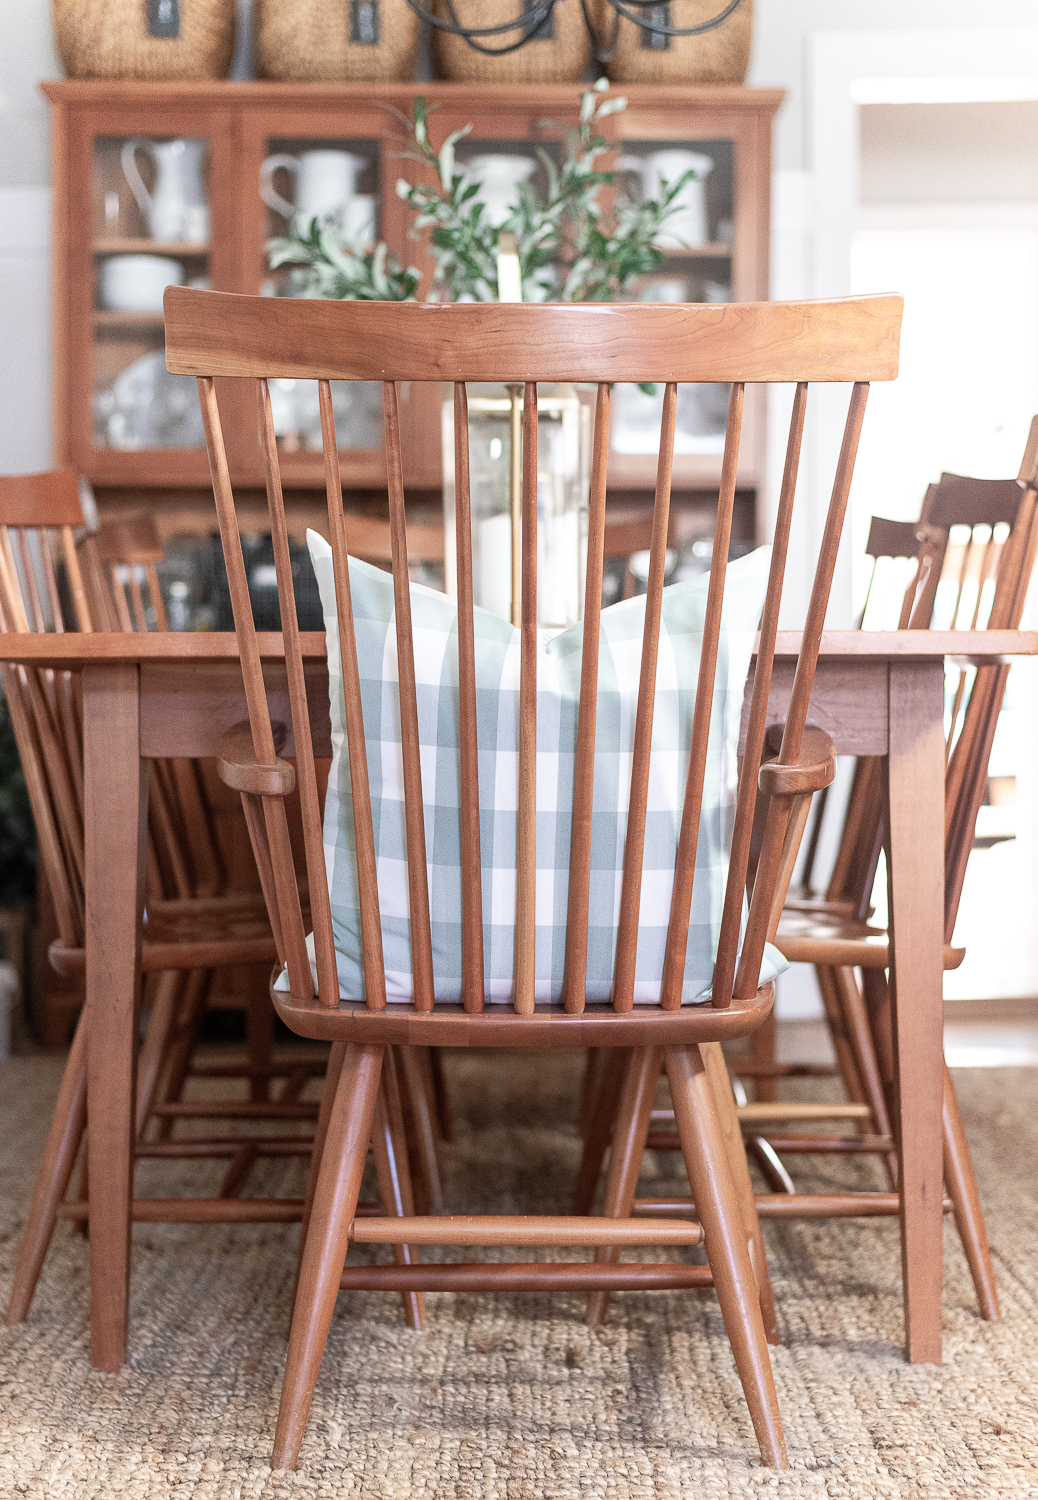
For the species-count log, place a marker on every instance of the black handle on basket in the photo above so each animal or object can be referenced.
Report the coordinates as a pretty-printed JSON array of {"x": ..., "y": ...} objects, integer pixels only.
[
  {"x": 530, "y": 21},
  {"x": 660, "y": 28}
]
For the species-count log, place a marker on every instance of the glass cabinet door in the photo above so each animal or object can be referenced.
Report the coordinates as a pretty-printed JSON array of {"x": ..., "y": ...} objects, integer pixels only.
[
  {"x": 152, "y": 227},
  {"x": 330, "y": 170},
  {"x": 697, "y": 241},
  {"x": 145, "y": 203}
]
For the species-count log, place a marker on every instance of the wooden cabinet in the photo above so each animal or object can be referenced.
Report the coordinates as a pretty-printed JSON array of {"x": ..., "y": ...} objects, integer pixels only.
[{"x": 134, "y": 431}]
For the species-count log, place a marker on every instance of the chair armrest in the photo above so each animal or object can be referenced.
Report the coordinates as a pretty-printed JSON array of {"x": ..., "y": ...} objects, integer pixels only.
[
  {"x": 238, "y": 768},
  {"x": 813, "y": 769}
]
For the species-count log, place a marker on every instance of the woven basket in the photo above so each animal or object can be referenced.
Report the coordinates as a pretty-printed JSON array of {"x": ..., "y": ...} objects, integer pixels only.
[
  {"x": 111, "y": 39},
  {"x": 356, "y": 41},
  {"x": 718, "y": 56},
  {"x": 561, "y": 57}
]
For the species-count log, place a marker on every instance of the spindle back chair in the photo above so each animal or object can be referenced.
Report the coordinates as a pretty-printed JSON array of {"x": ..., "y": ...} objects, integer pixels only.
[
  {"x": 210, "y": 335},
  {"x": 974, "y": 580}
]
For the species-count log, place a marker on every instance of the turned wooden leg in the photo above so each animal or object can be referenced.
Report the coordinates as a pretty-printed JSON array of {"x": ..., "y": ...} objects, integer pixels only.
[
  {"x": 606, "y": 1082},
  {"x": 969, "y": 1218},
  {"x": 389, "y": 1145},
  {"x": 859, "y": 1035},
  {"x": 441, "y": 1095},
  {"x": 345, "y": 1149},
  {"x": 632, "y": 1129},
  {"x": 762, "y": 1051},
  {"x": 189, "y": 1020},
  {"x": 336, "y": 1058},
  {"x": 417, "y": 1110},
  {"x": 259, "y": 1042},
  {"x": 59, "y": 1158},
  {"x": 846, "y": 1056},
  {"x": 717, "y": 1068},
  {"x": 156, "y": 1040},
  {"x": 717, "y": 1207}
]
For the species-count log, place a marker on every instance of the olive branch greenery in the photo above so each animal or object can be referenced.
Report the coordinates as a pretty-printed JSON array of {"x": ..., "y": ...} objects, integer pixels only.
[{"x": 569, "y": 251}]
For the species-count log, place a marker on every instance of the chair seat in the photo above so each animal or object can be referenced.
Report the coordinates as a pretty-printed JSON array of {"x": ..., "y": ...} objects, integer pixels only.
[
  {"x": 810, "y": 938},
  {"x": 500, "y": 1026}
]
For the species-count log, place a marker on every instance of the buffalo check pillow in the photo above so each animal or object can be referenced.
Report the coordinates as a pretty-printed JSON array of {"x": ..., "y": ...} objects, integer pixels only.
[{"x": 435, "y": 623}]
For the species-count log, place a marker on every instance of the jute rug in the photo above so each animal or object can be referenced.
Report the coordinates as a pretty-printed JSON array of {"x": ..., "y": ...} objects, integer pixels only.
[{"x": 512, "y": 1397}]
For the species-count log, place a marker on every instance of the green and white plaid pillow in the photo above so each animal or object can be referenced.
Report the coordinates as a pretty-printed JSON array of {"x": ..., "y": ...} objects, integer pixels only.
[{"x": 434, "y": 623}]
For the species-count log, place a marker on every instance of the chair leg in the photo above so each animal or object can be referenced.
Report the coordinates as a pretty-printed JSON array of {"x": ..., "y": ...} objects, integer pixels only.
[
  {"x": 336, "y": 1058},
  {"x": 259, "y": 1042},
  {"x": 846, "y": 1055},
  {"x": 762, "y": 1050},
  {"x": 969, "y": 1218},
  {"x": 416, "y": 1099},
  {"x": 441, "y": 1095},
  {"x": 741, "y": 1181},
  {"x": 859, "y": 1035},
  {"x": 606, "y": 1079},
  {"x": 629, "y": 1136},
  {"x": 389, "y": 1145},
  {"x": 717, "y": 1207},
  {"x": 156, "y": 1040},
  {"x": 59, "y": 1158},
  {"x": 345, "y": 1150},
  {"x": 189, "y": 1020}
]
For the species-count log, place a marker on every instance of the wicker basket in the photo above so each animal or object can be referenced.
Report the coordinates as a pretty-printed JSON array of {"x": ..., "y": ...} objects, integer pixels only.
[
  {"x": 718, "y": 56},
  {"x": 560, "y": 57},
  {"x": 144, "y": 40},
  {"x": 357, "y": 41}
]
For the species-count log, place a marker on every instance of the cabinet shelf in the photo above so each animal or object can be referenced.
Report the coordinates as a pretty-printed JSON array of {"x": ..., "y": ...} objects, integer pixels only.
[
  {"x": 713, "y": 251},
  {"x": 127, "y": 245},
  {"x": 106, "y": 318}
]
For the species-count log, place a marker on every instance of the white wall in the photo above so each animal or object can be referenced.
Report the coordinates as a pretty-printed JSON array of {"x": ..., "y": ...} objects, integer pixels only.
[{"x": 25, "y": 331}]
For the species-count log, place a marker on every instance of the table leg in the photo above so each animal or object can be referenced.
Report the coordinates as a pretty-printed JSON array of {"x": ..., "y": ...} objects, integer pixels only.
[
  {"x": 915, "y": 864},
  {"x": 115, "y": 817}
]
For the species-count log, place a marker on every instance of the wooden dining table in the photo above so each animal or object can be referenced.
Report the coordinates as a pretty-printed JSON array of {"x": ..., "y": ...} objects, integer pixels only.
[{"x": 153, "y": 696}]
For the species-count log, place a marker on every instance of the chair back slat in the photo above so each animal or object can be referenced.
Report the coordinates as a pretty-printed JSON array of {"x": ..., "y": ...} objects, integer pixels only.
[
  {"x": 472, "y": 961},
  {"x": 526, "y": 792},
  {"x": 517, "y": 346},
  {"x": 80, "y": 603},
  {"x": 738, "y": 866},
  {"x": 414, "y": 807},
  {"x": 634, "y": 845},
  {"x": 768, "y": 865},
  {"x": 578, "y": 897},
  {"x": 688, "y": 838},
  {"x": 364, "y": 834},
  {"x": 291, "y": 921},
  {"x": 306, "y": 776},
  {"x": 50, "y": 580},
  {"x": 30, "y": 579}
]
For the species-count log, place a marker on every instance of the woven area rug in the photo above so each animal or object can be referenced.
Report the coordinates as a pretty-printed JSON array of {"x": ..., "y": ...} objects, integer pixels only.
[{"x": 512, "y": 1397}]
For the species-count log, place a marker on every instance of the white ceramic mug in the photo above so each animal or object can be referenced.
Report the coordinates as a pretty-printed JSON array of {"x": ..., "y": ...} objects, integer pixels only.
[
  {"x": 324, "y": 185},
  {"x": 135, "y": 283}
]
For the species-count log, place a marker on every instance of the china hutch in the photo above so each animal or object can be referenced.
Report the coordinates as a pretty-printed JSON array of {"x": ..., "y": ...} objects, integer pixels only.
[{"x": 134, "y": 431}]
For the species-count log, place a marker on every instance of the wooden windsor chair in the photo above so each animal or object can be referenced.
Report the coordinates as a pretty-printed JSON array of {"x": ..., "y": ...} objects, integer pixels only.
[
  {"x": 212, "y": 335},
  {"x": 970, "y": 584},
  {"x": 187, "y": 935}
]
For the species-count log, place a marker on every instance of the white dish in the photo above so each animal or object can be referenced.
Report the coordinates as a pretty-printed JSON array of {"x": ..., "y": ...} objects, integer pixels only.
[{"x": 135, "y": 283}]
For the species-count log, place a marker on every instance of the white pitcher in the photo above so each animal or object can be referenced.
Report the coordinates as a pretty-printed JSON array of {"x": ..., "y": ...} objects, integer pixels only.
[
  {"x": 325, "y": 183},
  {"x": 177, "y": 207},
  {"x": 689, "y": 223},
  {"x": 499, "y": 176}
]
